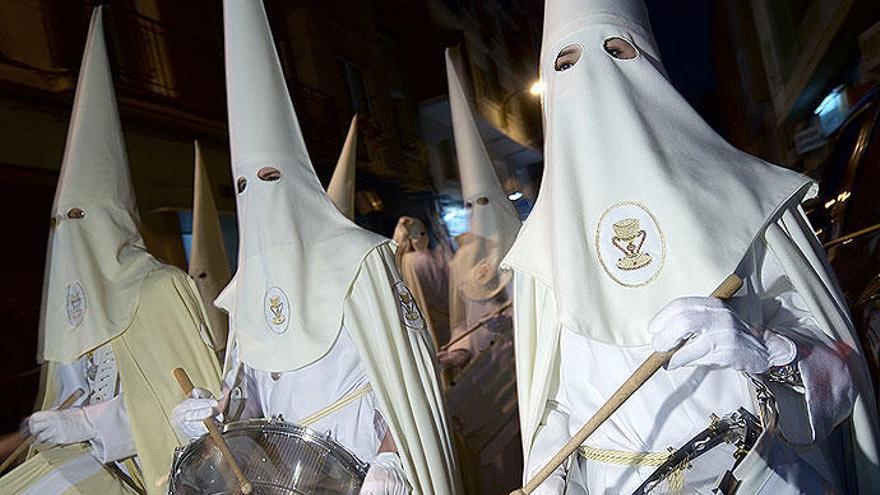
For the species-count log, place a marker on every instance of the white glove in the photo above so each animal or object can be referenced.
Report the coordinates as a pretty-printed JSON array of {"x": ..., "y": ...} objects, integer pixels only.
[
  {"x": 386, "y": 476},
  {"x": 189, "y": 415},
  {"x": 63, "y": 427},
  {"x": 718, "y": 337}
]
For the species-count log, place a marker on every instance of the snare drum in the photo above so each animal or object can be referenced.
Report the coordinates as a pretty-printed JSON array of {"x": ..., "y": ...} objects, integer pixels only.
[{"x": 278, "y": 458}]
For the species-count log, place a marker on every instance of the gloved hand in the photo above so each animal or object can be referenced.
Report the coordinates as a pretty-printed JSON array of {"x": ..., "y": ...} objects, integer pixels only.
[
  {"x": 455, "y": 358},
  {"x": 386, "y": 476},
  {"x": 718, "y": 337},
  {"x": 62, "y": 427},
  {"x": 190, "y": 414}
]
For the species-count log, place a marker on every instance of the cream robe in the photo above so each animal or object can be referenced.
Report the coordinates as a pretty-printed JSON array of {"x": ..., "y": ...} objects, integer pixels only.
[
  {"x": 164, "y": 334},
  {"x": 806, "y": 418}
]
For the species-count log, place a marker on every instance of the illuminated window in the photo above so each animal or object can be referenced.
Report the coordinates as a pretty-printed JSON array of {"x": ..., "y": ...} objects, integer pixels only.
[{"x": 832, "y": 111}]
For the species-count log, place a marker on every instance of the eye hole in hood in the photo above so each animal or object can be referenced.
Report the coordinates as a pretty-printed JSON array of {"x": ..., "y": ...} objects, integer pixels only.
[
  {"x": 269, "y": 174},
  {"x": 620, "y": 49},
  {"x": 568, "y": 57}
]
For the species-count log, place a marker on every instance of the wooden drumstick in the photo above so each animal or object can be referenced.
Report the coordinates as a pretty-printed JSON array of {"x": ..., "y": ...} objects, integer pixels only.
[
  {"x": 186, "y": 386},
  {"x": 726, "y": 290},
  {"x": 30, "y": 439}
]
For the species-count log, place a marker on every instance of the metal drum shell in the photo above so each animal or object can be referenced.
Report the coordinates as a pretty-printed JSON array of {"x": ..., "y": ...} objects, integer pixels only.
[{"x": 307, "y": 462}]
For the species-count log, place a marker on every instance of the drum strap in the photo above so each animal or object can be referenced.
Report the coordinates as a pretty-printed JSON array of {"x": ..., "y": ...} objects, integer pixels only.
[
  {"x": 675, "y": 481},
  {"x": 336, "y": 406}
]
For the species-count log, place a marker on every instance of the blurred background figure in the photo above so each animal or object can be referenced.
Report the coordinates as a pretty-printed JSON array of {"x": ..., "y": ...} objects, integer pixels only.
[
  {"x": 208, "y": 263},
  {"x": 482, "y": 394},
  {"x": 425, "y": 272}
]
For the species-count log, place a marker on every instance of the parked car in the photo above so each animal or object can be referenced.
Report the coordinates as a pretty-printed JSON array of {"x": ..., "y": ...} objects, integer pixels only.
[{"x": 846, "y": 217}]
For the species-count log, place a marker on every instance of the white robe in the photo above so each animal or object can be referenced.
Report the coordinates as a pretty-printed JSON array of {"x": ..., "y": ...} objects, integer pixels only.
[
  {"x": 674, "y": 405},
  {"x": 298, "y": 394}
]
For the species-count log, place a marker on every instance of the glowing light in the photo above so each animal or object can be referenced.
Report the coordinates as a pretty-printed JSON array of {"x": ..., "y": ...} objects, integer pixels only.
[
  {"x": 456, "y": 219},
  {"x": 830, "y": 203},
  {"x": 515, "y": 195},
  {"x": 537, "y": 88},
  {"x": 843, "y": 196}
]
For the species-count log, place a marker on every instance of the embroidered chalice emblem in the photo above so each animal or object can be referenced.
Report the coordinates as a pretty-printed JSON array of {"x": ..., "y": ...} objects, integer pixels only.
[
  {"x": 277, "y": 309},
  {"x": 629, "y": 239},
  {"x": 76, "y": 304},
  {"x": 409, "y": 310}
]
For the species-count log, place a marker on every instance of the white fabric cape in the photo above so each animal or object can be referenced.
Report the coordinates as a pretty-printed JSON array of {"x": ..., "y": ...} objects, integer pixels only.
[{"x": 395, "y": 349}]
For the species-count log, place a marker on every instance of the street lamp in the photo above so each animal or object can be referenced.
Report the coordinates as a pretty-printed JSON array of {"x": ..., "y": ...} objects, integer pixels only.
[{"x": 535, "y": 89}]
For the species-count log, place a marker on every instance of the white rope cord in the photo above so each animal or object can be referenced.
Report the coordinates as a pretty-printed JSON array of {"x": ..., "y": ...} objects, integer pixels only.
[{"x": 332, "y": 408}]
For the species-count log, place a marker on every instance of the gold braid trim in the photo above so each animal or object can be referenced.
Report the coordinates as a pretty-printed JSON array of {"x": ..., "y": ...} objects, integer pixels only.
[{"x": 674, "y": 482}]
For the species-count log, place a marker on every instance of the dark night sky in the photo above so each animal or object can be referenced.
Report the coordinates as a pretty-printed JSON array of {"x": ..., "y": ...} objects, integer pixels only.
[{"x": 684, "y": 32}]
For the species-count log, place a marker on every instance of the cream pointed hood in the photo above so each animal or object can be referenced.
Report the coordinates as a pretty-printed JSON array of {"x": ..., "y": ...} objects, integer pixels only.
[
  {"x": 641, "y": 201},
  {"x": 341, "y": 187},
  {"x": 208, "y": 264},
  {"x": 493, "y": 220},
  {"x": 297, "y": 254},
  {"x": 95, "y": 264}
]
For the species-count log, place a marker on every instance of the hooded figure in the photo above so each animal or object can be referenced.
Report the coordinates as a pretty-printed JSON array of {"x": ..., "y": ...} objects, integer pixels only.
[
  {"x": 341, "y": 187},
  {"x": 114, "y": 320},
  {"x": 643, "y": 211},
  {"x": 482, "y": 397},
  {"x": 477, "y": 289},
  {"x": 208, "y": 264},
  {"x": 425, "y": 272},
  {"x": 324, "y": 331}
]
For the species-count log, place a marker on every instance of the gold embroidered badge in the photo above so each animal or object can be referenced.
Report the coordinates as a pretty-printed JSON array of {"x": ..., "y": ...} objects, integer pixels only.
[
  {"x": 630, "y": 244},
  {"x": 75, "y": 304},
  {"x": 277, "y": 310},
  {"x": 409, "y": 310}
]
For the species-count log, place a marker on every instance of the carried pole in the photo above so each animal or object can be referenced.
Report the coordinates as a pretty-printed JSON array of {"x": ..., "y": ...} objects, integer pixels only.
[{"x": 186, "y": 386}]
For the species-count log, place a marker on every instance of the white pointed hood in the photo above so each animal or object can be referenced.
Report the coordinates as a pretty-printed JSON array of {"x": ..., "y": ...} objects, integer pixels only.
[
  {"x": 95, "y": 264},
  {"x": 297, "y": 254},
  {"x": 208, "y": 264},
  {"x": 493, "y": 220},
  {"x": 341, "y": 187},
  {"x": 641, "y": 201}
]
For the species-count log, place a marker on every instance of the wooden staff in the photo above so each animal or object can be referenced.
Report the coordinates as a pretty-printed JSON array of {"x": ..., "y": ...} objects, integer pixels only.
[
  {"x": 726, "y": 290},
  {"x": 30, "y": 439},
  {"x": 186, "y": 386},
  {"x": 476, "y": 326}
]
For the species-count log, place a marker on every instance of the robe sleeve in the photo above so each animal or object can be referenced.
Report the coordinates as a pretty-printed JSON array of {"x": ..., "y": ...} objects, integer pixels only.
[
  {"x": 802, "y": 258},
  {"x": 114, "y": 441},
  {"x": 165, "y": 334},
  {"x": 810, "y": 412},
  {"x": 395, "y": 349}
]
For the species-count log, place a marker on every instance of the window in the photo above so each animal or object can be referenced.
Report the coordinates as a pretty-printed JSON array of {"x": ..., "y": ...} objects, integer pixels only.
[
  {"x": 354, "y": 86},
  {"x": 404, "y": 121}
]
